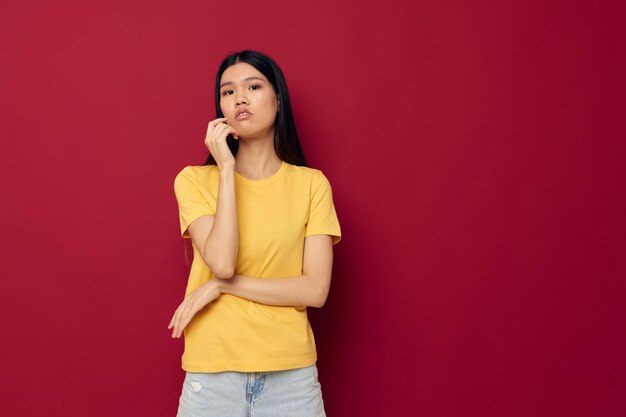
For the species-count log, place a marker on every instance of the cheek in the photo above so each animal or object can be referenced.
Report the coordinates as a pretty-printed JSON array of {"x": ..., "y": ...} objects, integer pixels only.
[
  {"x": 224, "y": 109},
  {"x": 225, "y": 104},
  {"x": 271, "y": 103}
]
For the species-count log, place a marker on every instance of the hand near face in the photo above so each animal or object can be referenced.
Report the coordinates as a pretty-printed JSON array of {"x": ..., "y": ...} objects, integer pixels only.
[{"x": 215, "y": 141}]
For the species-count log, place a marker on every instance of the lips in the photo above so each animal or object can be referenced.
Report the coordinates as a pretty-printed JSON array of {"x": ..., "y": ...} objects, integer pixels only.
[{"x": 243, "y": 114}]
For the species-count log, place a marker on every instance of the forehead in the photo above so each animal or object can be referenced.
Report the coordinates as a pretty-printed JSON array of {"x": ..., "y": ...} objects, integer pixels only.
[{"x": 239, "y": 72}]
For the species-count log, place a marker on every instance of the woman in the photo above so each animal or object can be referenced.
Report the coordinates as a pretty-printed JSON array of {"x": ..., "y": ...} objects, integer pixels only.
[{"x": 263, "y": 225}]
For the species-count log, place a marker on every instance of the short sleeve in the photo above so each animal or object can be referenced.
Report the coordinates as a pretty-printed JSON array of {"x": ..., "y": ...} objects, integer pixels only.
[
  {"x": 192, "y": 203},
  {"x": 322, "y": 215}
]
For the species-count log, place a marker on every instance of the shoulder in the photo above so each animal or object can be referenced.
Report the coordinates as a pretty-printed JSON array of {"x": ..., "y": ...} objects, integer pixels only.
[
  {"x": 310, "y": 180},
  {"x": 309, "y": 174},
  {"x": 196, "y": 173},
  {"x": 194, "y": 179},
  {"x": 196, "y": 170}
]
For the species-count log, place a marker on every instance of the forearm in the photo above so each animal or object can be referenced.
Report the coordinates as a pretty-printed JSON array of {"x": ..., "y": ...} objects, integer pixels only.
[
  {"x": 301, "y": 290},
  {"x": 222, "y": 242}
]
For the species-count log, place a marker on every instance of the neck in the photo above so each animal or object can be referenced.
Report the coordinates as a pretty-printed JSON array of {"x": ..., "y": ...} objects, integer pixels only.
[{"x": 257, "y": 159}]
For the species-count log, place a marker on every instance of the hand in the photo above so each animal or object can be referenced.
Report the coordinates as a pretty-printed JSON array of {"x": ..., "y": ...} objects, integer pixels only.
[
  {"x": 193, "y": 303},
  {"x": 215, "y": 141}
]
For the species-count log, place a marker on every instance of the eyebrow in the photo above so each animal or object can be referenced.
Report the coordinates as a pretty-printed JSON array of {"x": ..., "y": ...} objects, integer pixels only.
[{"x": 245, "y": 79}]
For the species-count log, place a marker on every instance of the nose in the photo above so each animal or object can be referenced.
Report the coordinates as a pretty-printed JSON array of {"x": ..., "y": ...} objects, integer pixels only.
[{"x": 241, "y": 98}]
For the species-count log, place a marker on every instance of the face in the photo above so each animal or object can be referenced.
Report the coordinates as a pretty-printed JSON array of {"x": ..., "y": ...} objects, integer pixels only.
[{"x": 248, "y": 101}]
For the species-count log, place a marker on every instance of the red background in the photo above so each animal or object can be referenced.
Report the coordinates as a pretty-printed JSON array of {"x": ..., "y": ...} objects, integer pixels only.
[{"x": 476, "y": 152}]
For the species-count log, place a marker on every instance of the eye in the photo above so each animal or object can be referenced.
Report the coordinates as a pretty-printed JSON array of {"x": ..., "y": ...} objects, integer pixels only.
[
  {"x": 227, "y": 92},
  {"x": 255, "y": 86}
]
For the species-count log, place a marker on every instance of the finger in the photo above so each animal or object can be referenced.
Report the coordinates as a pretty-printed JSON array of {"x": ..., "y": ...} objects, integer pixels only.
[
  {"x": 209, "y": 145},
  {"x": 216, "y": 121},
  {"x": 184, "y": 325},
  {"x": 212, "y": 125},
  {"x": 181, "y": 326},
  {"x": 212, "y": 139},
  {"x": 226, "y": 129},
  {"x": 188, "y": 313},
  {"x": 173, "y": 320},
  {"x": 233, "y": 132},
  {"x": 179, "y": 312},
  {"x": 218, "y": 131},
  {"x": 179, "y": 317},
  {"x": 175, "y": 323},
  {"x": 220, "y": 135},
  {"x": 173, "y": 326},
  {"x": 185, "y": 317},
  {"x": 213, "y": 129}
]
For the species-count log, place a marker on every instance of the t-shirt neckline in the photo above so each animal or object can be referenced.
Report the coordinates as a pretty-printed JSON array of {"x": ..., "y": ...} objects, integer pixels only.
[{"x": 267, "y": 180}]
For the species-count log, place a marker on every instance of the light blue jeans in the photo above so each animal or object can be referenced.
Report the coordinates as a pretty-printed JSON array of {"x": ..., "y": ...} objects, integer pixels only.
[{"x": 290, "y": 393}]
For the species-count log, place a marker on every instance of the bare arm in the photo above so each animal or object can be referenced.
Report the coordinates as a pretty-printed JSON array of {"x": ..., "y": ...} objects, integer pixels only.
[
  {"x": 309, "y": 289},
  {"x": 217, "y": 237}
]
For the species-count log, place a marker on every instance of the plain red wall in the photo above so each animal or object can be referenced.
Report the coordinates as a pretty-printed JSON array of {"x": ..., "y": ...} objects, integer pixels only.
[{"x": 476, "y": 152}]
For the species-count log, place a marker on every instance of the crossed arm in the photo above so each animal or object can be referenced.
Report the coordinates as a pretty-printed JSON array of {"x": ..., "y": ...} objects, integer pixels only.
[
  {"x": 309, "y": 289},
  {"x": 217, "y": 240}
]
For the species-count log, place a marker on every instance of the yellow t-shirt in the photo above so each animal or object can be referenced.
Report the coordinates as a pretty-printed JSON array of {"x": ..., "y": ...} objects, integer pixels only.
[{"x": 275, "y": 214}]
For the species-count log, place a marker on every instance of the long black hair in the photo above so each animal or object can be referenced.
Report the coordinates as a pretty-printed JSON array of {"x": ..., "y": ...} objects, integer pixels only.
[{"x": 286, "y": 143}]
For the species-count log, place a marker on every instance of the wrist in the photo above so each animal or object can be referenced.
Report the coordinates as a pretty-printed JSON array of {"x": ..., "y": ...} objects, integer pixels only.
[
  {"x": 216, "y": 284},
  {"x": 224, "y": 284},
  {"x": 228, "y": 169}
]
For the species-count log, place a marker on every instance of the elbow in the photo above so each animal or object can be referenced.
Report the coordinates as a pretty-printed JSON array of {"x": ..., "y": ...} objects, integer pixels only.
[
  {"x": 317, "y": 303},
  {"x": 222, "y": 266},
  {"x": 318, "y": 290},
  {"x": 224, "y": 272},
  {"x": 320, "y": 299}
]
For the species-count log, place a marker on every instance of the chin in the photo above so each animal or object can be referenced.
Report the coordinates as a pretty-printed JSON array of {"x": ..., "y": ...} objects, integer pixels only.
[{"x": 249, "y": 133}]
